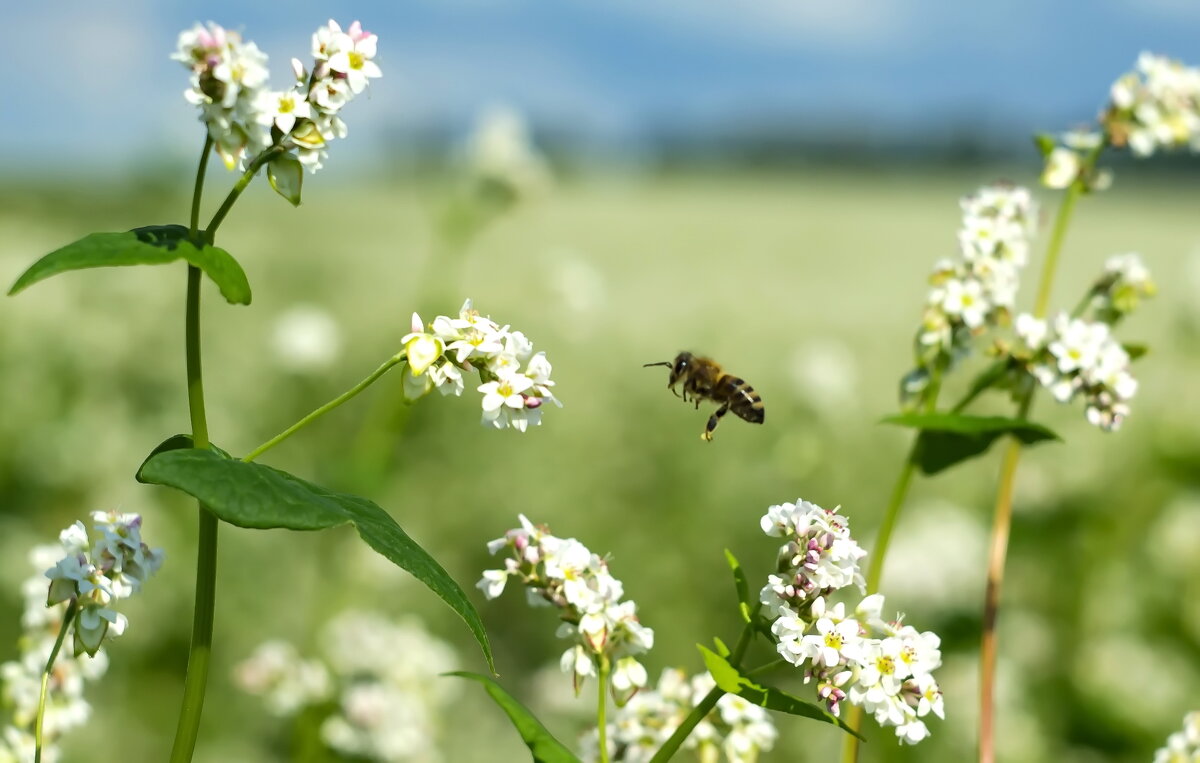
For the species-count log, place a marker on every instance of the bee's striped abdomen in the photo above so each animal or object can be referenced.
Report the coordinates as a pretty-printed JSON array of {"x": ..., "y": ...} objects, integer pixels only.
[{"x": 742, "y": 399}]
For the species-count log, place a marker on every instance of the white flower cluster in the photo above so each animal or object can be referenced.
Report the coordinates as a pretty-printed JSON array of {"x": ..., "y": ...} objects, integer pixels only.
[
  {"x": 978, "y": 289},
  {"x": 884, "y": 666},
  {"x": 516, "y": 380},
  {"x": 94, "y": 574},
  {"x": 1155, "y": 107},
  {"x": 736, "y": 730},
  {"x": 563, "y": 573},
  {"x": 1074, "y": 158},
  {"x": 97, "y": 573},
  {"x": 244, "y": 117},
  {"x": 1124, "y": 284},
  {"x": 1184, "y": 745},
  {"x": 380, "y": 679},
  {"x": 502, "y": 158},
  {"x": 1075, "y": 356}
]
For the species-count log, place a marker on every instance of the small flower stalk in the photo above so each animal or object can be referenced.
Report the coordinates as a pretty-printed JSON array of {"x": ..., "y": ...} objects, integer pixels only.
[
  {"x": 516, "y": 381},
  {"x": 229, "y": 84},
  {"x": 374, "y": 692},
  {"x": 736, "y": 730},
  {"x": 976, "y": 291},
  {"x": 850, "y": 655},
  {"x": 562, "y": 573}
]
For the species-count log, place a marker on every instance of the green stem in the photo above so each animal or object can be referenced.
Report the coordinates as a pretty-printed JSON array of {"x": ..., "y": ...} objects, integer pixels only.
[
  {"x": 1002, "y": 517},
  {"x": 764, "y": 668},
  {"x": 319, "y": 412},
  {"x": 68, "y": 618},
  {"x": 602, "y": 708},
  {"x": 706, "y": 705},
  {"x": 240, "y": 186},
  {"x": 198, "y": 190},
  {"x": 200, "y": 652}
]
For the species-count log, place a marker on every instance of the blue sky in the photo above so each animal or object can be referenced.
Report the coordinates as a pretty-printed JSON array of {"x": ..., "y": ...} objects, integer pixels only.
[{"x": 94, "y": 81}]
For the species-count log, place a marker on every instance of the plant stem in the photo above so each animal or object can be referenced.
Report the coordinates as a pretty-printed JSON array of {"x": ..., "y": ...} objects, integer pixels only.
[
  {"x": 198, "y": 190},
  {"x": 705, "y": 706},
  {"x": 200, "y": 651},
  {"x": 602, "y": 707},
  {"x": 1002, "y": 519},
  {"x": 206, "y": 552},
  {"x": 334, "y": 403},
  {"x": 68, "y": 618},
  {"x": 238, "y": 187}
]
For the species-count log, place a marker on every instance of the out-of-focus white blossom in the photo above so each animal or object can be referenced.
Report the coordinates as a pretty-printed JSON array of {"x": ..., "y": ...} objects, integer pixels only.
[
  {"x": 565, "y": 574},
  {"x": 1184, "y": 745},
  {"x": 852, "y": 655},
  {"x": 736, "y": 730},
  {"x": 502, "y": 157},
  {"x": 378, "y": 679},
  {"x": 1156, "y": 107},
  {"x": 306, "y": 338},
  {"x": 229, "y": 85},
  {"x": 516, "y": 381},
  {"x": 977, "y": 290},
  {"x": 1120, "y": 289}
]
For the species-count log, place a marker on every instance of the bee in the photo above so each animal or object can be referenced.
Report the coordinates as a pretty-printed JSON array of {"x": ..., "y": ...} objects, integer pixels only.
[{"x": 704, "y": 379}]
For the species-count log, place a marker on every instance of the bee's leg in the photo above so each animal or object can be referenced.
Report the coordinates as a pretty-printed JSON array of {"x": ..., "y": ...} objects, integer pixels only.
[{"x": 713, "y": 420}]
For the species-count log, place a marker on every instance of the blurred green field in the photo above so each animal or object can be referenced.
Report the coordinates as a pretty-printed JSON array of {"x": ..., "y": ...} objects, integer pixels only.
[{"x": 809, "y": 286}]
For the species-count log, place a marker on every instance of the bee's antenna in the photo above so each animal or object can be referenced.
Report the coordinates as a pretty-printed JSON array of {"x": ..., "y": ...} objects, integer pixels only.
[{"x": 666, "y": 363}]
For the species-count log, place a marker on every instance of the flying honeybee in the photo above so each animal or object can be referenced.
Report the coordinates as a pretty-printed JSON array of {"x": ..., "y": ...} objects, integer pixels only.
[{"x": 704, "y": 379}]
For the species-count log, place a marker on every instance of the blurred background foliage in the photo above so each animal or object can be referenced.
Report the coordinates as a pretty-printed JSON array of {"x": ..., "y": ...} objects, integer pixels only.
[
  {"x": 806, "y": 283},
  {"x": 782, "y": 224}
]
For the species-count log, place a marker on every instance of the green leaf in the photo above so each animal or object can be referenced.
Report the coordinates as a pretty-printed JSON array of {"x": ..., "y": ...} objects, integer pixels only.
[
  {"x": 286, "y": 176},
  {"x": 1135, "y": 350},
  {"x": 1045, "y": 143},
  {"x": 151, "y": 245},
  {"x": 543, "y": 745},
  {"x": 747, "y": 606},
  {"x": 947, "y": 439},
  {"x": 260, "y": 497},
  {"x": 730, "y": 680}
]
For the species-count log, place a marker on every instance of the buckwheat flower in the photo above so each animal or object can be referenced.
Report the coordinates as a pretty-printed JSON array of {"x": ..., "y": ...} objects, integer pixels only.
[
  {"x": 1124, "y": 283},
  {"x": 306, "y": 339},
  {"x": 976, "y": 291},
  {"x": 351, "y": 56},
  {"x": 514, "y": 380},
  {"x": 565, "y": 574},
  {"x": 286, "y": 682},
  {"x": 1183, "y": 746},
  {"x": 1062, "y": 168},
  {"x": 281, "y": 109},
  {"x": 1155, "y": 107},
  {"x": 884, "y": 666}
]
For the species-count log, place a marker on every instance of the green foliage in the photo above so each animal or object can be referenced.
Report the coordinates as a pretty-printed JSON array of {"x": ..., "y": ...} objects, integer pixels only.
[
  {"x": 1135, "y": 349},
  {"x": 259, "y": 497},
  {"x": 733, "y": 682},
  {"x": 747, "y": 605},
  {"x": 286, "y": 175},
  {"x": 150, "y": 245},
  {"x": 947, "y": 439},
  {"x": 1045, "y": 143},
  {"x": 542, "y": 744}
]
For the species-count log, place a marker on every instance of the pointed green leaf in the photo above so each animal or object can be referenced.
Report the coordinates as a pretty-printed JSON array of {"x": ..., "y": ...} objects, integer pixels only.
[
  {"x": 1135, "y": 350},
  {"x": 730, "y": 680},
  {"x": 286, "y": 176},
  {"x": 947, "y": 439},
  {"x": 151, "y": 245},
  {"x": 260, "y": 497},
  {"x": 1045, "y": 143},
  {"x": 747, "y": 606},
  {"x": 542, "y": 744}
]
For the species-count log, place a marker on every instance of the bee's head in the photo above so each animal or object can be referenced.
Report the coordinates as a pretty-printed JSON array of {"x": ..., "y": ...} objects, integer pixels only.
[{"x": 680, "y": 365}]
